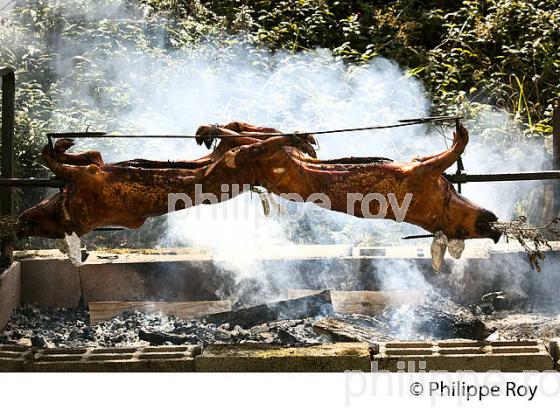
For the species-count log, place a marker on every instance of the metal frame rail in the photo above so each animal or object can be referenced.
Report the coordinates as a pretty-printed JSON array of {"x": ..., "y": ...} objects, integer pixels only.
[{"x": 7, "y": 170}]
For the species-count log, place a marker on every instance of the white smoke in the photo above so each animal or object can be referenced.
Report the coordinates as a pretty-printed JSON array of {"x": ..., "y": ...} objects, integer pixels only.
[{"x": 217, "y": 82}]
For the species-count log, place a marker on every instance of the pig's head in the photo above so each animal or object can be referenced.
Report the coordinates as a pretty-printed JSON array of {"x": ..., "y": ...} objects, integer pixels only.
[
  {"x": 47, "y": 219},
  {"x": 63, "y": 212},
  {"x": 439, "y": 206},
  {"x": 464, "y": 219}
]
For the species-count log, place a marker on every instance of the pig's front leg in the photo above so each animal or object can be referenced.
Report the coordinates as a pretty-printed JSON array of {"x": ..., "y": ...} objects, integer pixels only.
[{"x": 437, "y": 164}]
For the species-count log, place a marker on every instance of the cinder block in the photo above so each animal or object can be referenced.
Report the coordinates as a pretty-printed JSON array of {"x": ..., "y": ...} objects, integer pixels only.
[
  {"x": 10, "y": 292},
  {"x": 141, "y": 359},
  {"x": 553, "y": 347},
  {"x": 155, "y": 280},
  {"x": 51, "y": 282},
  {"x": 251, "y": 357},
  {"x": 463, "y": 355},
  {"x": 12, "y": 358}
]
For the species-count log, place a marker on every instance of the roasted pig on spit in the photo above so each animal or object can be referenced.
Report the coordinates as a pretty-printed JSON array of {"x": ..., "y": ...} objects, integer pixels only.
[
  {"x": 99, "y": 194},
  {"x": 126, "y": 193},
  {"x": 284, "y": 168}
]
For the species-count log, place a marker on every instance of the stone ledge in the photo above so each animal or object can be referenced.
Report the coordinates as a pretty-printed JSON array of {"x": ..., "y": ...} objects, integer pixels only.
[
  {"x": 10, "y": 292},
  {"x": 337, "y": 357},
  {"x": 50, "y": 282}
]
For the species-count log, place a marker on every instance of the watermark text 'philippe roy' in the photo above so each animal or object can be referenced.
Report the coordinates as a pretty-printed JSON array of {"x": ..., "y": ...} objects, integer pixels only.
[{"x": 354, "y": 201}]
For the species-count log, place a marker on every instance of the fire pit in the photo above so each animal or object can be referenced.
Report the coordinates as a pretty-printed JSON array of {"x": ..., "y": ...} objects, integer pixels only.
[
  {"x": 332, "y": 308},
  {"x": 160, "y": 312}
]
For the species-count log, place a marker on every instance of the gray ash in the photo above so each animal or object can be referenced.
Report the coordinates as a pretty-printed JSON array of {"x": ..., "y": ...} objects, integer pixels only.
[
  {"x": 49, "y": 327},
  {"x": 59, "y": 327}
]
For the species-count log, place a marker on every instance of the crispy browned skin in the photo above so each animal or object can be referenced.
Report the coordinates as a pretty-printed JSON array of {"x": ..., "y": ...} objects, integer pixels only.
[
  {"x": 435, "y": 206},
  {"x": 126, "y": 193}
]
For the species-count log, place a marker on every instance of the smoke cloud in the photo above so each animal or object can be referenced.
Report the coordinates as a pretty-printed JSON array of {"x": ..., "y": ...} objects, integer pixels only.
[{"x": 223, "y": 80}]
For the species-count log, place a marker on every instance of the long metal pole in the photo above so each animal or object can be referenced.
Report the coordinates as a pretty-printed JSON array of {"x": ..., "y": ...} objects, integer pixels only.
[
  {"x": 401, "y": 123},
  {"x": 453, "y": 178},
  {"x": 7, "y": 169},
  {"x": 556, "y": 153},
  {"x": 518, "y": 176},
  {"x": 32, "y": 182}
]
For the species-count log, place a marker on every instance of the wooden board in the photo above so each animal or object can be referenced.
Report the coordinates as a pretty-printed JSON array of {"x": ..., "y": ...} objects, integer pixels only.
[
  {"x": 100, "y": 311},
  {"x": 298, "y": 308},
  {"x": 367, "y": 302},
  {"x": 339, "y": 331}
]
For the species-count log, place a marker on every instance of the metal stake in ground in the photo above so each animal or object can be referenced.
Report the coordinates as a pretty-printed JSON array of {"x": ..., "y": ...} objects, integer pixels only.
[{"x": 8, "y": 117}]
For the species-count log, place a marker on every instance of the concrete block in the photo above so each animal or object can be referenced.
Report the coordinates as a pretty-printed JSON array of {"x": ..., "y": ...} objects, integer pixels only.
[
  {"x": 51, "y": 282},
  {"x": 10, "y": 292},
  {"x": 12, "y": 358},
  {"x": 134, "y": 359},
  {"x": 154, "y": 280},
  {"x": 553, "y": 347},
  {"x": 337, "y": 357},
  {"x": 463, "y": 355},
  {"x": 307, "y": 273}
]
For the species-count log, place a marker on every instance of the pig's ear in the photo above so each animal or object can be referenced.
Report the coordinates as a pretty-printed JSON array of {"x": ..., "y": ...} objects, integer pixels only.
[{"x": 437, "y": 164}]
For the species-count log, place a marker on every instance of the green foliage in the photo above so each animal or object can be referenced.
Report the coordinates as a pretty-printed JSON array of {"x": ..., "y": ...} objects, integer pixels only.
[{"x": 502, "y": 52}]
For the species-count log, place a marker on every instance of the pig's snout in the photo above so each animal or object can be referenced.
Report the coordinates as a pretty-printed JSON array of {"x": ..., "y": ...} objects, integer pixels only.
[
  {"x": 45, "y": 219},
  {"x": 484, "y": 227}
]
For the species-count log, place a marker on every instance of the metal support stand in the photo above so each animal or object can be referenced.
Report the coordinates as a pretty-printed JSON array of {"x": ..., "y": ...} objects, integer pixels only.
[
  {"x": 556, "y": 153},
  {"x": 7, "y": 170},
  {"x": 460, "y": 166}
]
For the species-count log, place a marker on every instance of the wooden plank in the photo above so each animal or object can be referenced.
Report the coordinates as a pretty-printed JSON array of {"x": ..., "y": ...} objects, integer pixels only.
[
  {"x": 339, "y": 331},
  {"x": 440, "y": 320},
  {"x": 100, "y": 311},
  {"x": 299, "y": 308},
  {"x": 367, "y": 302}
]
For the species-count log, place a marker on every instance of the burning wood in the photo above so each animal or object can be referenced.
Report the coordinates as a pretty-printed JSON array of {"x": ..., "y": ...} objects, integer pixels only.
[
  {"x": 438, "y": 319},
  {"x": 308, "y": 306},
  {"x": 444, "y": 320},
  {"x": 157, "y": 338},
  {"x": 369, "y": 302},
  {"x": 339, "y": 330}
]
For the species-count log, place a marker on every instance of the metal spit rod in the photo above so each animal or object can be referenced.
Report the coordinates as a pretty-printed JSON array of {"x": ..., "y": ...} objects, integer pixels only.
[
  {"x": 463, "y": 178},
  {"x": 401, "y": 123},
  {"x": 453, "y": 178}
]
